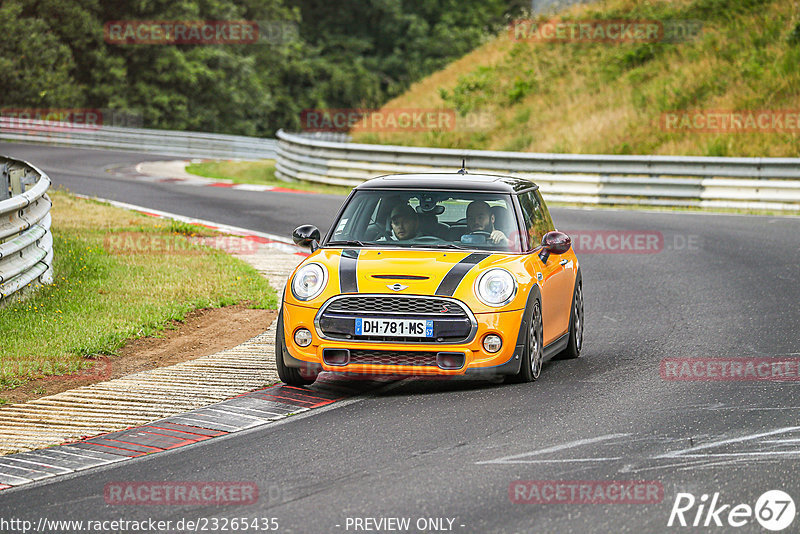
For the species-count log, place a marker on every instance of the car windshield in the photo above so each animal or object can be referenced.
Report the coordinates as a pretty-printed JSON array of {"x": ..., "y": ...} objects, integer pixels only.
[{"x": 428, "y": 219}]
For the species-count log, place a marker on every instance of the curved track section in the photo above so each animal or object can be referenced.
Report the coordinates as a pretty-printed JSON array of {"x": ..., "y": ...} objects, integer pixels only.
[
  {"x": 714, "y": 286},
  {"x": 110, "y": 174}
]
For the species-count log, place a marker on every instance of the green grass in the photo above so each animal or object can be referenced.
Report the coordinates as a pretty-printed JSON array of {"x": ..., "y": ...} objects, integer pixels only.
[
  {"x": 104, "y": 295},
  {"x": 257, "y": 172}
]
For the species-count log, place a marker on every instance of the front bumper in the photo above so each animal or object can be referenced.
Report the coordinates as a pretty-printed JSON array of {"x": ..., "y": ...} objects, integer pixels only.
[{"x": 476, "y": 359}]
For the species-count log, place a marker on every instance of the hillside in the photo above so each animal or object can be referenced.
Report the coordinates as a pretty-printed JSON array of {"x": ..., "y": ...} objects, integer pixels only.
[{"x": 600, "y": 97}]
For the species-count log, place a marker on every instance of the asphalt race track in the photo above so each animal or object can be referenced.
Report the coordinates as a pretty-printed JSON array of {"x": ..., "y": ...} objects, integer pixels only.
[
  {"x": 718, "y": 286},
  {"x": 109, "y": 175}
]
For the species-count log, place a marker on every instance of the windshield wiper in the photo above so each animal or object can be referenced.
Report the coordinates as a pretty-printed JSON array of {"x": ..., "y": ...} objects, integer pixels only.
[
  {"x": 352, "y": 243},
  {"x": 440, "y": 245}
]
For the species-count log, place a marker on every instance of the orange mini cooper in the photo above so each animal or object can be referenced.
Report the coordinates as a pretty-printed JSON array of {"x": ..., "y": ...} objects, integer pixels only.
[{"x": 433, "y": 274}]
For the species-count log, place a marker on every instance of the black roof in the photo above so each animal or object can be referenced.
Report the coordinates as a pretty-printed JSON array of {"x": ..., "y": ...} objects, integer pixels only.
[{"x": 450, "y": 182}]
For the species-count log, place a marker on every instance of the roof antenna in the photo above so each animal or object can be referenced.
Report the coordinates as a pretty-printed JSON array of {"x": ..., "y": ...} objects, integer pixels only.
[{"x": 463, "y": 169}]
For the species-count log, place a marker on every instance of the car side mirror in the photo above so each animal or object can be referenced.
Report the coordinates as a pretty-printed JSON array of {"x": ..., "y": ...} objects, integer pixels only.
[
  {"x": 306, "y": 236},
  {"x": 554, "y": 243}
]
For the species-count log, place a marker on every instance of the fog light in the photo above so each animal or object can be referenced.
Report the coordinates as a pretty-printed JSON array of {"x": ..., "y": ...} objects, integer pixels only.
[
  {"x": 450, "y": 360},
  {"x": 336, "y": 356},
  {"x": 302, "y": 337},
  {"x": 492, "y": 343}
]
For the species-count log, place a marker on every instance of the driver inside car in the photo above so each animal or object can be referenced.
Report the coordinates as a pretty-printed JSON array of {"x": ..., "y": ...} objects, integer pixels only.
[{"x": 481, "y": 219}]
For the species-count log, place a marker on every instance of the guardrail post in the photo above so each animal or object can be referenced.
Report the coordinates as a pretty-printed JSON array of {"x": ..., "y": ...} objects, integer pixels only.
[
  {"x": 15, "y": 176},
  {"x": 27, "y": 180},
  {"x": 5, "y": 183}
]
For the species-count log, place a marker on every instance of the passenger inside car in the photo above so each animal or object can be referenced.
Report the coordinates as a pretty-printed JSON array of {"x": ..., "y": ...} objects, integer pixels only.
[{"x": 404, "y": 223}]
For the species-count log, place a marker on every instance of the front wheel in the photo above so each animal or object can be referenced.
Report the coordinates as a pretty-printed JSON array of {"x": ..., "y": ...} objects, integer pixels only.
[
  {"x": 575, "y": 343},
  {"x": 290, "y": 375},
  {"x": 533, "y": 353}
]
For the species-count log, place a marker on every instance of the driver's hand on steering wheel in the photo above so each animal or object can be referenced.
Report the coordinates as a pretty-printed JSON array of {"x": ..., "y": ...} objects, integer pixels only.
[{"x": 498, "y": 238}]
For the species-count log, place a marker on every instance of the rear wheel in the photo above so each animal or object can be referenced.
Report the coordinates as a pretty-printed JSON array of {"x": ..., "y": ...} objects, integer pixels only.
[
  {"x": 533, "y": 353},
  {"x": 575, "y": 343},
  {"x": 290, "y": 375}
]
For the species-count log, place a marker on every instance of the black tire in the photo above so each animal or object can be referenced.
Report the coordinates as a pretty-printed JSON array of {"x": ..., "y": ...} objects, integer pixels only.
[
  {"x": 533, "y": 353},
  {"x": 575, "y": 344},
  {"x": 289, "y": 375}
]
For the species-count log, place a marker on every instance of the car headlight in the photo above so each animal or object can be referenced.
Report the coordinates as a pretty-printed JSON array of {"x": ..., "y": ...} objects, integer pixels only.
[
  {"x": 496, "y": 287},
  {"x": 309, "y": 281}
]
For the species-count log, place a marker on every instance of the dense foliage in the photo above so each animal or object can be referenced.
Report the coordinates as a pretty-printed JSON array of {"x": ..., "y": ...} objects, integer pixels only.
[{"x": 53, "y": 54}]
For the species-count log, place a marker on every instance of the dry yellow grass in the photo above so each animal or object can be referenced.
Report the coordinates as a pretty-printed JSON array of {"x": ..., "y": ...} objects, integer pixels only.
[
  {"x": 73, "y": 213},
  {"x": 609, "y": 98}
]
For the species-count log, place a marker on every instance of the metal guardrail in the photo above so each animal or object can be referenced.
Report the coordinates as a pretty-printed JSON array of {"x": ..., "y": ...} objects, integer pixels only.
[
  {"x": 162, "y": 142},
  {"x": 26, "y": 244},
  {"x": 704, "y": 182}
]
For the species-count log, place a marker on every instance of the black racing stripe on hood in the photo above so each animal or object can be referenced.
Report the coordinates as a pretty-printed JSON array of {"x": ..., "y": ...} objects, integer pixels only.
[
  {"x": 454, "y": 276},
  {"x": 348, "y": 283}
]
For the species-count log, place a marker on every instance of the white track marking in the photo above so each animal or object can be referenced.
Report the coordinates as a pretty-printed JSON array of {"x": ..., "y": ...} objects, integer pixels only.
[
  {"x": 515, "y": 459},
  {"x": 559, "y": 461},
  {"x": 628, "y": 468},
  {"x": 742, "y": 454},
  {"x": 690, "y": 452}
]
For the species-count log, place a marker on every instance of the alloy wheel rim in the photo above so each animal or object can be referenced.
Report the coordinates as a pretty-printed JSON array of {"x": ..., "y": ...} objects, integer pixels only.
[
  {"x": 535, "y": 343},
  {"x": 579, "y": 318}
]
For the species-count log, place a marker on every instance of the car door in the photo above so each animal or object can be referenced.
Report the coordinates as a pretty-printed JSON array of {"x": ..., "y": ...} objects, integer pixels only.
[{"x": 557, "y": 272}]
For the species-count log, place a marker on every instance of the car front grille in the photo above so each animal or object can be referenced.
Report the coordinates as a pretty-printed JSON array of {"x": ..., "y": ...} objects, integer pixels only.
[
  {"x": 453, "y": 322},
  {"x": 391, "y": 304}
]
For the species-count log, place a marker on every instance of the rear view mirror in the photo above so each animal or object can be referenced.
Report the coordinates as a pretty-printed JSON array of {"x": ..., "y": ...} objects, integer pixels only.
[
  {"x": 554, "y": 243},
  {"x": 474, "y": 239},
  {"x": 306, "y": 236}
]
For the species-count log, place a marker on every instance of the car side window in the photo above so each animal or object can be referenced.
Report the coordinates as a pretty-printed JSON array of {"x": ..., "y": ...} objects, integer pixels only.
[
  {"x": 352, "y": 221},
  {"x": 537, "y": 218},
  {"x": 545, "y": 212}
]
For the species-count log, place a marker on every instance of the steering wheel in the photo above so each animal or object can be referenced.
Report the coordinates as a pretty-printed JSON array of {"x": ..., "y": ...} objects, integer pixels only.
[{"x": 487, "y": 235}]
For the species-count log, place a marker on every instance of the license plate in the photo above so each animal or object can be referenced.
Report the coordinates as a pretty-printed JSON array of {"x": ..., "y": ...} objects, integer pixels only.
[{"x": 394, "y": 327}]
